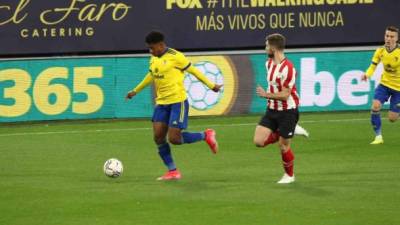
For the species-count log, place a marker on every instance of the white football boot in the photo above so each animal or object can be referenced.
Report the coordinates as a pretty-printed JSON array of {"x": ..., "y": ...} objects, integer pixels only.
[
  {"x": 378, "y": 140},
  {"x": 301, "y": 131},
  {"x": 286, "y": 179}
]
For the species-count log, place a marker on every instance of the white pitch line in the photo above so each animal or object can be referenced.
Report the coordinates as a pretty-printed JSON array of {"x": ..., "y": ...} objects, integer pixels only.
[{"x": 149, "y": 128}]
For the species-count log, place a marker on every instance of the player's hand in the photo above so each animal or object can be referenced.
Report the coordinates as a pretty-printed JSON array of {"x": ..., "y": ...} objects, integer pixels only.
[
  {"x": 261, "y": 92},
  {"x": 217, "y": 87},
  {"x": 130, "y": 95},
  {"x": 364, "y": 77}
]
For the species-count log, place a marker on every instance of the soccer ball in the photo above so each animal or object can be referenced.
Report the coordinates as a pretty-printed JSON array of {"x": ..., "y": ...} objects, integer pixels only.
[
  {"x": 200, "y": 97},
  {"x": 113, "y": 168}
]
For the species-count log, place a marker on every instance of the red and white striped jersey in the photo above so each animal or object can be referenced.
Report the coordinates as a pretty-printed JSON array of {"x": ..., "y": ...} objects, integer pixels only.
[{"x": 279, "y": 76}]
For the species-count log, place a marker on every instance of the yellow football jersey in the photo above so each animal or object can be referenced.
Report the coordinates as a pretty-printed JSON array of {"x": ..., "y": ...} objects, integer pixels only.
[
  {"x": 391, "y": 64},
  {"x": 167, "y": 74}
]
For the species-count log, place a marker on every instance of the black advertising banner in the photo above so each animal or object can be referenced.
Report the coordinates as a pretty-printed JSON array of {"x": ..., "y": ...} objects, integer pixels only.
[{"x": 29, "y": 27}]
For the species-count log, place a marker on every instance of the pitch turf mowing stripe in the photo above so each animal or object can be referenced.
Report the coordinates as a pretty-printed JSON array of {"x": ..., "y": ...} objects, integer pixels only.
[{"x": 149, "y": 128}]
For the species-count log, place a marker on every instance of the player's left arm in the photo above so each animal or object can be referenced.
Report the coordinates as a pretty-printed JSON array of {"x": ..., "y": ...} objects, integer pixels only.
[
  {"x": 185, "y": 64},
  {"x": 201, "y": 77},
  {"x": 287, "y": 84}
]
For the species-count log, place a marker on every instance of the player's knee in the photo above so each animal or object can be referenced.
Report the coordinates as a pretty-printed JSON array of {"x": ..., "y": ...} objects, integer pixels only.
[
  {"x": 283, "y": 147},
  {"x": 258, "y": 143},
  {"x": 175, "y": 140},
  {"x": 393, "y": 117},
  {"x": 376, "y": 107},
  {"x": 159, "y": 140}
]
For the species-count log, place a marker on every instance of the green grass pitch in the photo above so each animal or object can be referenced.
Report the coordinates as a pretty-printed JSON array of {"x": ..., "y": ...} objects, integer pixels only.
[{"x": 52, "y": 174}]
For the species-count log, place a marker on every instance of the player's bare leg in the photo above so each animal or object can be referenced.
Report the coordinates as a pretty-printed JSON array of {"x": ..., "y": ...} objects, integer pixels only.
[
  {"x": 393, "y": 116},
  {"x": 261, "y": 135},
  {"x": 160, "y": 131},
  {"x": 376, "y": 122},
  {"x": 175, "y": 136},
  {"x": 287, "y": 160}
]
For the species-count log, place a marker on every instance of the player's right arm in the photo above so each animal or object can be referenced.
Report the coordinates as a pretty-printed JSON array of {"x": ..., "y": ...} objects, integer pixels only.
[
  {"x": 287, "y": 83},
  {"x": 146, "y": 81},
  {"x": 376, "y": 59}
]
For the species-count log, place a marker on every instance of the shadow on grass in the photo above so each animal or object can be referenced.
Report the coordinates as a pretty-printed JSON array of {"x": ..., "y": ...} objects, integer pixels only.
[{"x": 305, "y": 189}]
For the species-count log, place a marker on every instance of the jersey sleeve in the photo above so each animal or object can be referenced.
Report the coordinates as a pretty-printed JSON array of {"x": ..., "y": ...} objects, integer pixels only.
[
  {"x": 182, "y": 62},
  {"x": 200, "y": 76},
  {"x": 146, "y": 81},
  {"x": 376, "y": 59}
]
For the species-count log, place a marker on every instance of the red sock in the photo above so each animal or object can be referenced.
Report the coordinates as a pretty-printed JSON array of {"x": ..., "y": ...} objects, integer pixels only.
[
  {"x": 288, "y": 159},
  {"x": 272, "y": 138}
]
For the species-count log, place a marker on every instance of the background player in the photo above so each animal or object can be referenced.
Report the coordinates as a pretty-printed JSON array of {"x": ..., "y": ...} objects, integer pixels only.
[
  {"x": 282, "y": 110},
  {"x": 389, "y": 86},
  {"x": 170, "y": 115}
]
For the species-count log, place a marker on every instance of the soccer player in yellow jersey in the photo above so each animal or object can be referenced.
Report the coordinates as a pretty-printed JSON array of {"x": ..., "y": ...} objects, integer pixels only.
[
  {"x": 389, "y": 86},
  {"x": 170, "y": 117}
]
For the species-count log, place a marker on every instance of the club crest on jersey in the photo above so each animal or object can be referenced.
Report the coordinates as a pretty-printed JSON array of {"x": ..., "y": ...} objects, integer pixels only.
[{"x": 158, "y": 76}]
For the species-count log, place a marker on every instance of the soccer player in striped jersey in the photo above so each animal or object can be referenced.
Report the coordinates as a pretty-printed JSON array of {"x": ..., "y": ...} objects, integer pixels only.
[
  {"x": 280, "y": 119},
  {"x": 170, "y": 117},
  {"x": 389, "y": 86}
]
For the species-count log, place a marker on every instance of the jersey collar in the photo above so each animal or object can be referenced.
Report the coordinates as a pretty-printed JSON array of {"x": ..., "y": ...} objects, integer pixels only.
[
  {"x": 165, "y": 51},
  {"x": 397, "y": 46}
]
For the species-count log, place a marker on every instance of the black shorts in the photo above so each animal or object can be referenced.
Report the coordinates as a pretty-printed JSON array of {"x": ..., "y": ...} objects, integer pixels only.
[{"x": 282, "y": 121}]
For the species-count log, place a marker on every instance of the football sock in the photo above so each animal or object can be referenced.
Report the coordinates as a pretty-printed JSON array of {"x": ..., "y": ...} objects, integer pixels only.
[
  {"x": 272, "y": 138},
  {"x": 165, "y": 153},
  {"x": 188, "y": 137},
  {"x": 376, "y": 122},
  {"x": 288, "y": 159}
]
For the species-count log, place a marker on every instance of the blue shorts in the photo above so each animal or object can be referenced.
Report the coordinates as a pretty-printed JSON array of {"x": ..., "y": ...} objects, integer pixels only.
[
  {"x": 383, "y": 93},
  {"x": 175, "y": 115}
]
